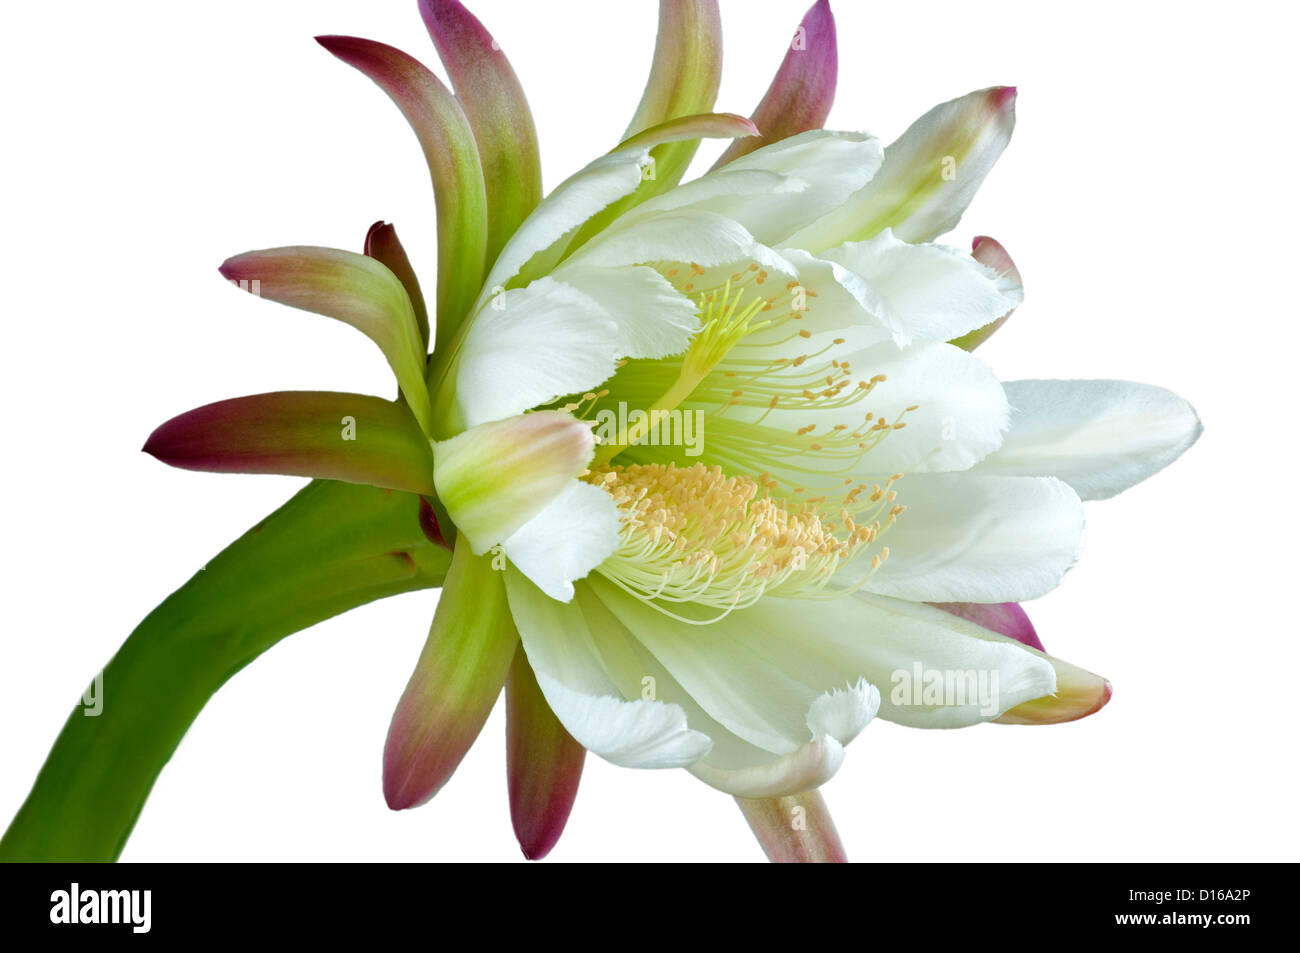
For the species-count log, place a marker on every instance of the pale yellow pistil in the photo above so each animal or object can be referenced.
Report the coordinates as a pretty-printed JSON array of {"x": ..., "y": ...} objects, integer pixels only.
[
  {"x": 715, "y": 371},
  {"x": 723, "y": 323}
]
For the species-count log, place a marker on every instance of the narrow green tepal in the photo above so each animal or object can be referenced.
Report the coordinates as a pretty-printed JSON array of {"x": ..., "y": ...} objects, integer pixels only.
[
  {"x": 684, "y": 79},
  {"x": 348, "y": 287},
  {"x": 355, "y": 438},
  {"x": 497, "y": 112},
  {"x": 447, "y": 140},
  {"x": 330, "y": 548}
]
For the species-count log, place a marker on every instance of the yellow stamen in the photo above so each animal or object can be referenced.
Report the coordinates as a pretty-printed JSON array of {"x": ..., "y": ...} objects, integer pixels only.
[{"x": 694, "y": 534}]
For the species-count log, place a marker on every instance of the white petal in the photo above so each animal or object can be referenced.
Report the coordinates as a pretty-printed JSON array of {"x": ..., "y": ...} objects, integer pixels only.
[
  {"x": 835, "y": 718},
  {"x": 928, "y": 292},
  {"x": 717, "y": 192},
  {"x": 764, "y": 669},
  {"x": 571, "y": 537},
  {"x": 842, "y": 713},
  {"x": 641, "y": 733},
  {"x": 961, "y": 408},
  {"x": 684, "y": 235},
  {"x": 720, "y": 669},
  {"x": 653, "y": 318},
  {"x": 961, "y": 414},
  {"x": 806, "y": 769},
  {"x": 732, "y": 765},
  {"x": 803, "y": 176},
  {"x": 835, "y": 165},
  {"x": 571, "y": 203},
  {"x": 528, "y": 347},
  {"x": 826, "y": 309},
  {"x": 967, "y": 537},
  {"x": 989, "y": 673},
  {"x": 1101, "y": 437},
  {"x": 632, "y": 734},
  {"x": 929, "y": 175},
  {"x": 767, "y": 677}
]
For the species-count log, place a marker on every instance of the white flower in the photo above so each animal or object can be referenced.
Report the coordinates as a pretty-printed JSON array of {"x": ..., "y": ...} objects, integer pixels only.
[
  {"x": 742, "y": 613},
  {"x": 847, "y": 506}
]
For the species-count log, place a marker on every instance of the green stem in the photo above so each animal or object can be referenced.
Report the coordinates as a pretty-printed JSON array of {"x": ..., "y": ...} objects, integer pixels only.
[{"x": 332, "y": 547}]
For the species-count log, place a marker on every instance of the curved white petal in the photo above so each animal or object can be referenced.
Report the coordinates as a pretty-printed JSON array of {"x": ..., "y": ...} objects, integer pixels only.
[
  {"x": 961, "y": 408},
  {"x": 821, "y": 304},
  {"x": 763, "y": 670},
  {"x": 571, "y": 203},
  {"x": 733, "y": 765},
  {"x": 968, "y": 537},
  {"x": 804, "y": 770},
  {"x": 931, "y": 292},
  {"x": 818, "y": 169},
  {"x": 984, "y": 674},
  {"x": 834, "y": 163},
  {"x": 641, "y": 733},
  {"x": 1101, "y": 437},
  {"x": 573, "y": 535},
  {"x": 719, "y": 192},
  {"x": 632, "y": 734},
  {"x": 653, "y": 318},
  {"x": 834, "y": 718},
  {"x": 719, "y": 667},
  {"x": 928, "y": 177},
  {"x": 959, "y": 416},
  {"x": 529, "y": 346},
  {"x": 685, "y": 235},
  {"x": 842, "y": 713},
  {"x": 766, "y": 675}
]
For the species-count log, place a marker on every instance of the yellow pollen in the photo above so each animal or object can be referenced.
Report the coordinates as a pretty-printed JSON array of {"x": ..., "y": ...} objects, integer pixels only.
[{"x": 696, "y": 535}]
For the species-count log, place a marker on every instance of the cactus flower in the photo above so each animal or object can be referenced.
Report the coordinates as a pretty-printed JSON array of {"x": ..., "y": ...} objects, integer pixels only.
[{"x": 720, "y": 474}]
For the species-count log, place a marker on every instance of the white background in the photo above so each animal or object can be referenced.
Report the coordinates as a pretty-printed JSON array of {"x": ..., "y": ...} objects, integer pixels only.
[{"x": 1148, "y": 196}]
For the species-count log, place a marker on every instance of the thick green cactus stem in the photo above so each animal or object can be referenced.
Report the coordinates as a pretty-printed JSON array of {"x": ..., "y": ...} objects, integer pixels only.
[{"x": 332, "y": 547}]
